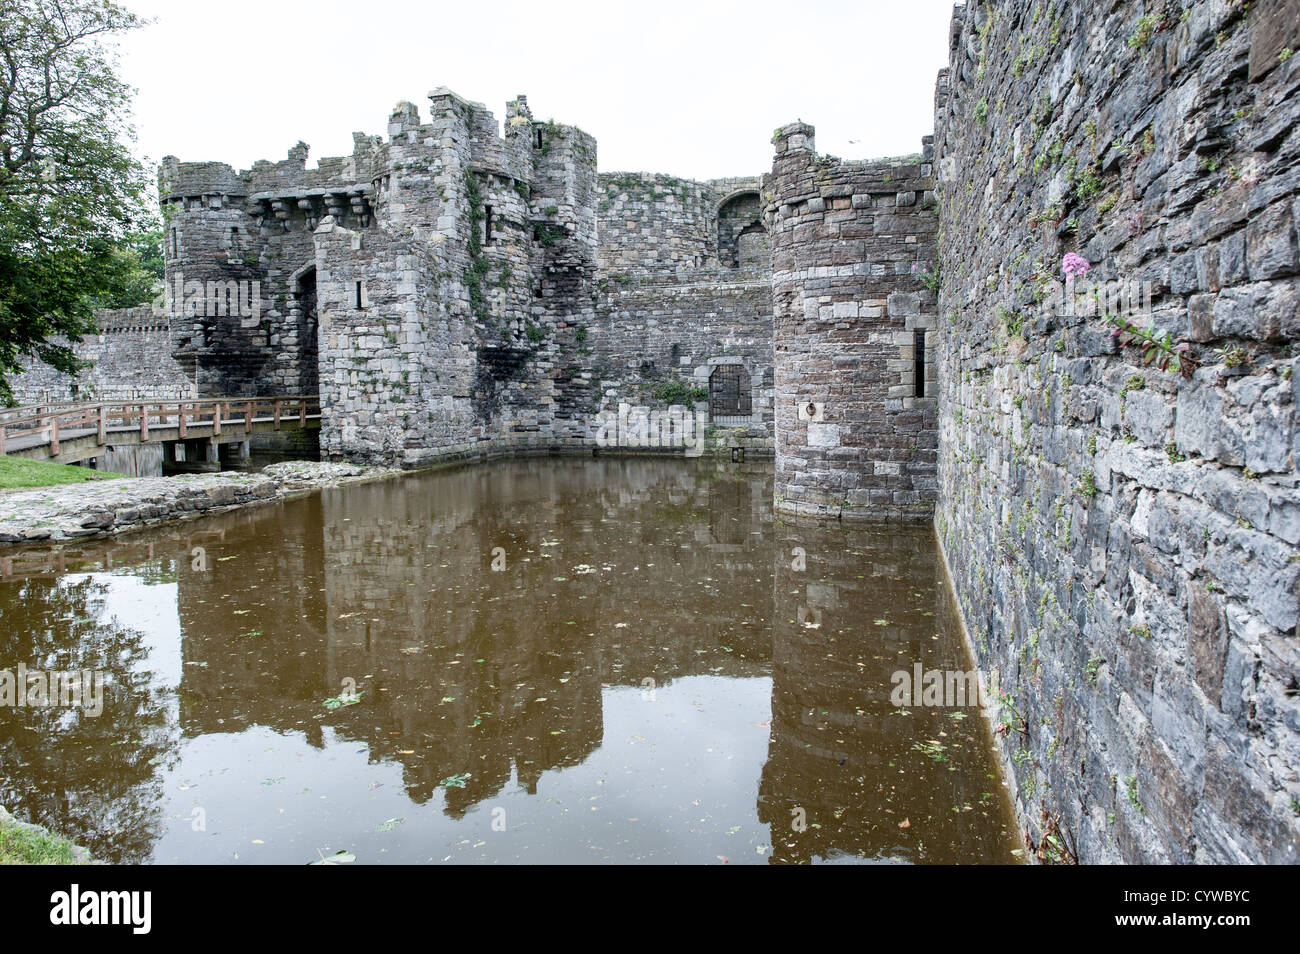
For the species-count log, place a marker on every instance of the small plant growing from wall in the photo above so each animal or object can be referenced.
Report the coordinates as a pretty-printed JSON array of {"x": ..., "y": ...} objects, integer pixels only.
[
  {"x": 1141, "y": 36},
  {"x": 1016, "y": 722},
  {"x": 549, "y": 234},
  {"x": 676, "y": 391},
  {"x": 1232, "y": 357},
  {"x": 1131, "y": 784},
  {"x": 1055, "y": 847},
  {"x": 928, "y": 272},
  {"x": 1157, "y": 347},
  {"x": 1011, "y": 321}
]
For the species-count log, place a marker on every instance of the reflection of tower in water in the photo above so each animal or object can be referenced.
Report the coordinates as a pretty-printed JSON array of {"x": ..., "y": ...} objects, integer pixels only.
[{"x": 861, "y": 777}]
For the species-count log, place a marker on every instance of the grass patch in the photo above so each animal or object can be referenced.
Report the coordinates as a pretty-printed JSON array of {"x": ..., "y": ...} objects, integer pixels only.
[
  {"x": 19, "y": 472},
  {"x": 23, "y": 846}
]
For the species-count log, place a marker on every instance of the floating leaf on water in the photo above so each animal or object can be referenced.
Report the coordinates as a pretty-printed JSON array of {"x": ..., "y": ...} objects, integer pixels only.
[
  {"x": 344, "y": 699},
  {"x": 390, "y": 824},
  {"x": 338, "y": 858},
  {"x": 456, "y": 781}
]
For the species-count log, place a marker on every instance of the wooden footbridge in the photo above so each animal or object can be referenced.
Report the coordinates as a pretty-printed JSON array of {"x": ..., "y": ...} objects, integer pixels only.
[{"x": 70, "y": 433}]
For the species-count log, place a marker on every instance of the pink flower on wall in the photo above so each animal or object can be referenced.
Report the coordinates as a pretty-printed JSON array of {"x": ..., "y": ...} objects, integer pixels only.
[{"x": 1074, "y": 264}]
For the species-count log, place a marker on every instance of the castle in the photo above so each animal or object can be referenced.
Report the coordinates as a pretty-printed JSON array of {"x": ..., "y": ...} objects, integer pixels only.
[
  {"x": 1117, "y": 497},
  {"x": 456, "y": 290}
]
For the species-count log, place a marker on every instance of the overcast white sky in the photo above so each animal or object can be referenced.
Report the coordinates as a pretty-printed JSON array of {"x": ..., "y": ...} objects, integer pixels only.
[{"x": 690, "y": 88}]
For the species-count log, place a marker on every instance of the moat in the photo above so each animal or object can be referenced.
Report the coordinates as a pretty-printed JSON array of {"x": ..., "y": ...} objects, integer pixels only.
[{"x": 557, "y": 660}]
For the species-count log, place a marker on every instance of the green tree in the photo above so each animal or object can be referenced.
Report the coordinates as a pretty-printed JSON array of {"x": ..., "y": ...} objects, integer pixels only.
[{"x": 74, "y": 206}]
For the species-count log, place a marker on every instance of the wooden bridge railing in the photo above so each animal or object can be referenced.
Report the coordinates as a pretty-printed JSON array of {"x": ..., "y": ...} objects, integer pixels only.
[
  {"x": 76, "y": 419},
  {"x": 10, "y": 414}
]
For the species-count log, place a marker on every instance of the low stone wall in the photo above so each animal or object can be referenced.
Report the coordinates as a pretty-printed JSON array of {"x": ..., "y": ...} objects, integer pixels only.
[{"x": 77, "y": 512}]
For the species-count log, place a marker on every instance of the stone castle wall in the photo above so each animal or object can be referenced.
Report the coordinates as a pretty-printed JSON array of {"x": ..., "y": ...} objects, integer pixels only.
[
  {"x": 855, "y": 422},
  {"x": 652, "y": 335},
  {"x": 1123, "y": 537},
  {"x": 131, "y": 357},
  {"x": 673, "y": 310},
  {"x": 654, "y": 223}
]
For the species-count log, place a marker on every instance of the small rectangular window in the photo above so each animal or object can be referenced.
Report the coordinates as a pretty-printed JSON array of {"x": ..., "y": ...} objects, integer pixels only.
[
  {"x": 175, "y": 243},
  {"x": 487, "y": 225},
  {"x": 918, "y": 369},
  {"x": 356, "y": 299}
]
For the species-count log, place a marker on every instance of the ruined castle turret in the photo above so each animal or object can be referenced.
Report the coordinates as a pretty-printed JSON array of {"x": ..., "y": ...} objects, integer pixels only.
[{"x": 856, "y": 416}]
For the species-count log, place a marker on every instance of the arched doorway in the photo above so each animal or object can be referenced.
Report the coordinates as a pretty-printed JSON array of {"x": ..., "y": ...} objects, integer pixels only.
[{"x": 742, "y": 239}]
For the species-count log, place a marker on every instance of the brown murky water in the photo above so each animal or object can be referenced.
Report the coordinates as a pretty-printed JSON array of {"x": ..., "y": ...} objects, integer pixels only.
[{"x": 647, "y": 676}]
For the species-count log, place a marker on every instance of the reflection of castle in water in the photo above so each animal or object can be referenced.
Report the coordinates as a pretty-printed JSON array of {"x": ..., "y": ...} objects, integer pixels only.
[
  {"x": 465, "y": 670},
  {"x": 615, "y": 571}
]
